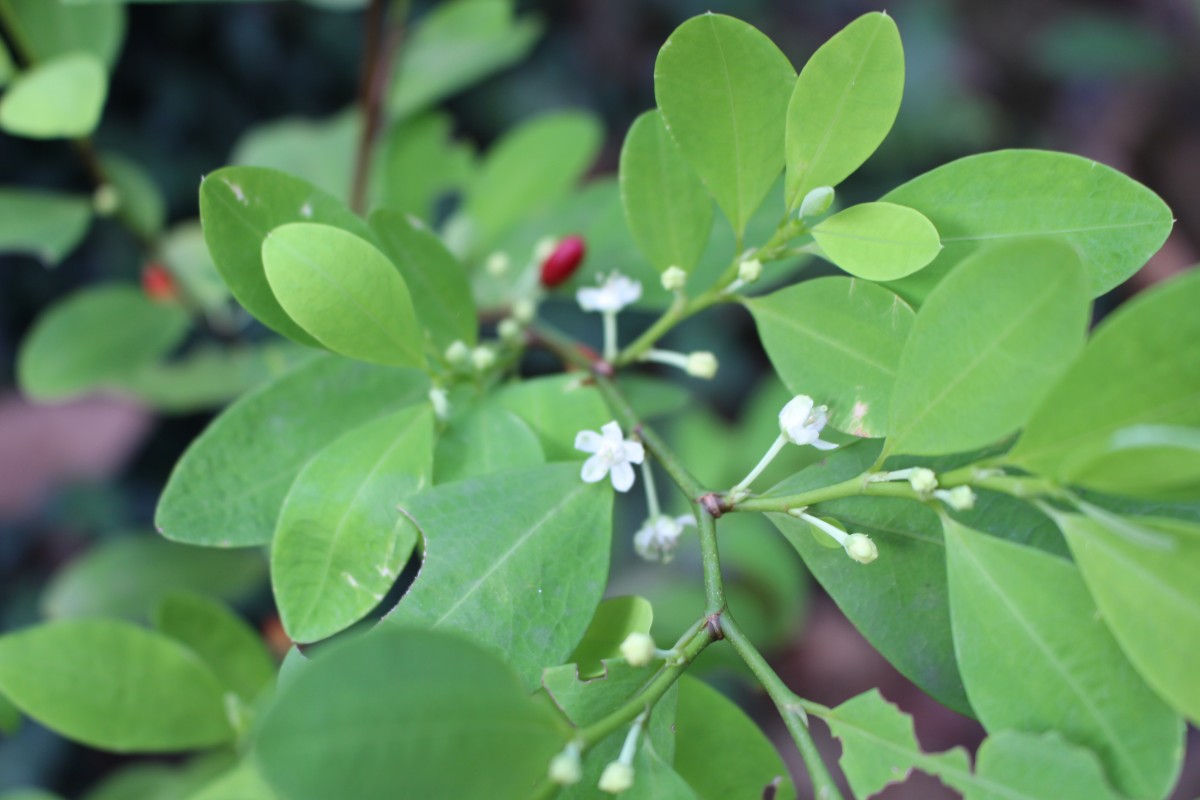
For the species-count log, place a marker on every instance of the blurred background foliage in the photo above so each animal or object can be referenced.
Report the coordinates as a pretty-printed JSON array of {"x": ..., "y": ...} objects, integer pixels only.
[{"x": 197, "y": 86}]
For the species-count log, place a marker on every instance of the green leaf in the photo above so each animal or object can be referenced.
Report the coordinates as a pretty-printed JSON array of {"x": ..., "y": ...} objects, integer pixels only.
[
  {"x": 239, "y": 206},
  {"x": 445, "y": 308},
  {"x": 512, "y": 590},
  {"x": 556, "y": 407},
  {"x": 720, "y": 751},
  {"x": 534, "y": 165},
  {"x": 484, "y": 439},
  {"x": 251, "y": 453},
  {"x": 987, "y": 346},
  {"x": 141, "y": 203},
  {"x": 47, "y": 225},
  {"x": 130, "y": 576},
  {"x": 418, "y": 162},
  {"x": 318, "y": 151},
  {"x": 1112, "y": 222},
  {"x": 232, "y": 649},
  {"x": 28, "y": 794},
  {"x": 1136, "y": 370},
  {"x": 666, "y": 207},
  {"x": 440, "y": 714},
  {"x": 614, "y": 620},
  {"x": 53, "y": 28},
  {"x": 878, "y": 241},
  {"x": 1146, "y": 460},
  {"x": 655, "y": 778},
  {"x": 10, "y": 716},
  {"x": 342, "y": 290},
  {"x": 843, "y": 105},
  {"x": 456, "y": 45},
  {"x": 1147, "y": 591},
  {"x": 244, "y": 782},
  {"x": 723, "y": 89},
  {"x": 187, "y": 257},
  {"x": 57, "y": 99},
  {"x": 341, "y": 540},
  {"x": 95, "y": 338},
  {"x": 1041, "y": 767},
  {"x": 7, "y": 67},
  {"x": 838, "y": 340},
  {"x": 161, "y": 698},
  {"x": 1020, "y": 612}
]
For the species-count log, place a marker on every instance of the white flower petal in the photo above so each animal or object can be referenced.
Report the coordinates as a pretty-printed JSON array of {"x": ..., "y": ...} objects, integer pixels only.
[
  {"x": 612, "y": 433},
  {"x": 590, "y": 298},
  {"x": 685, "y": 520},
  {"x": 821, "y": 444},
  {"x": 588, "y": 441},
  {"x": 594, "y": 469},
  {"x": 622, "y": 476},
  {"x": 634, "y": 452}
]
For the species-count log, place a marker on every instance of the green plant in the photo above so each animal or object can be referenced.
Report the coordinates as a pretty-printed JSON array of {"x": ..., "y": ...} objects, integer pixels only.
[{"x": 1004, "y": 505}]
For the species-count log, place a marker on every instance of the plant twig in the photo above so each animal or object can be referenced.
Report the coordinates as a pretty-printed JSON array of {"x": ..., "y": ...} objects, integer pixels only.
[{"x": 379, "y": 48}]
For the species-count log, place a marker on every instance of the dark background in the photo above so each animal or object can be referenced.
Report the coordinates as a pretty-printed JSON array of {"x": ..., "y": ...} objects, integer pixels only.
[{"x": 1115, "y": 81}]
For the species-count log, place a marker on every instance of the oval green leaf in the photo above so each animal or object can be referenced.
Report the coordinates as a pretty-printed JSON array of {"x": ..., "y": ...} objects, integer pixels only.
[
  {"x": 1112, "y": 222},
  {"x": 666, "y": 207},
  {"x": 57, "y": 99},
  {"x": 1019, "y": 612},
  {"x": 614, "y": 620},
  {"x": 878, "y": 241},
  {"x": 156, "y": 696},
  {"x": 986, "y": 347},
  {"x": 344, "y": 292},
  {"x": 1144, "y": 461},
  {"x": 58, "y": 28},
  {"x": 484, "y": 439},
  {"x": 723, "y": 88},
  {"x": 47, "y": 225},
  {"x": 341, "y": 539},
  {"x": 838, "y": 340},
  {"x": 430, "y": 710},
  {"x": 556, "y": 407},
  {"x": 843, "y": 105}
]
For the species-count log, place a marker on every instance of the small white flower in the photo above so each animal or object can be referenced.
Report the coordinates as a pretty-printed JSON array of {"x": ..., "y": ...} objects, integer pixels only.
[
  {"x": 701, "y": 364},
  {"x": 509, "y": 329},
  {"x": 960, "y": 498},
  {"x": 613, "y": 453},
  {"x": 750, "y": 271},
  {"x": 638, "y": 649},
  {"x": 616, "y": 778},
  {"x": 566, "y": 768},
  {"x": 497, "y": 264},
  {"x": 458, "y": 352},
  {"x": 483, "y": 358},
  {"x": 441, "y": 403},
  {"x": 801, "y": 422},
  {"x": 616, "y": 292},
  {"x": 674, "y": 279},
  {"x": 860, "y": 548},
  {"x": 922, "y": 480},
  {"x": 658, "y": 537},
  {"x": 523, "y": 310},
  {"x": 816, "y": 202}
]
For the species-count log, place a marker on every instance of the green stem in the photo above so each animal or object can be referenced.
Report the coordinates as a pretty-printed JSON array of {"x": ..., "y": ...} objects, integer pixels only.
[
  {"x": 791, "y": 708},
  {"x": 714, "y": 586},
  {"x": 848, "y": 488}
]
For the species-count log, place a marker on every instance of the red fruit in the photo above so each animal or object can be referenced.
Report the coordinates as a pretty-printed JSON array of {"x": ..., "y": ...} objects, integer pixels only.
[
  {"x": 158, "y": 284},
  {"x": 560, "y": 265}
]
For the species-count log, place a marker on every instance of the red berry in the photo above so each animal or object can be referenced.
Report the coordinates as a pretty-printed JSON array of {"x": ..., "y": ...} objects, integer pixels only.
[
  {"x": 560, "y": 265},
  {"x": 158, "y": 284}
]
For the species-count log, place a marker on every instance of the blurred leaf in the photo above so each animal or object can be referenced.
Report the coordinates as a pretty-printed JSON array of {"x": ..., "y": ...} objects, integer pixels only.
[
  {"x": 838, "y": 340},
  {"x": 1018, "y": 611},
  {"x": 233, "y": 650},
  {"x": 47, "y": 225},
  {"x": 877, "y": 241},
  {"x": 186, "y": 255},
  {"x": 94, "y": 338},
  {"x": 239, "y": 206},
  {"x": 318, "y": 151},
  {"x": 614, "y": 620},
  {"x": 342, "y": 290},
  {"x": 148, "y": 781},
  {"x": 556, "y": 407},
  {"x": 161, "y": 699},
  {"x": 252, "y": 452},
  {"x": 243, "y": 782},
  {"x": 723, "y": 89},
  {"x": 843, "y": 104},
  {"x": 341, "y": 541},
  {"x": 1113, "y": 223},
  {"x": 141, "y": 201},
  {"x": 10, "y": 716},
  {"x": 56, "y": 27},
  {"x": 1090, "y": 46},
  {"x": 1147, "y": 460},
  {"x": 7, "y": 67},
  {"x": 987, "y": 346},
  {"x": 28, "y": 794},
  {"x": 511, "y": 590},
  {"x": 57, "y": 99},
  {"x": 485, "y": 438},
  {"x": 668, "y": 211},
  {"x": 447, "y": 716},
  {"x": 417, "y": 162},
  {"x": 454, "y": 46},
  {"x": 130, "y": 576}
]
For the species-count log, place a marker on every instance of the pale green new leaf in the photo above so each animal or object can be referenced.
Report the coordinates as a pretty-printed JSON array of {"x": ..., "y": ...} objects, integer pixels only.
[
  {"x": 1019, "y": 612},
  {"x": 444, "y": 308},
  {"x": 155, "y": 697},
  {"x": 556, "y": 407},
  {"x": 95, "y": 338},
  {"x": 1138, "y": 369},
  {"x": 614, "y": 620},
  {"x": 723, "y": 88},
  {"x": 986, "y": 347},
  {"x": 344, "y": 292},
  {"x": 239, "y": 206},
  {"x": 666, "y": 207},
  {"x": 517, "y": 560},
  {"x": 53, "y": 28},
  {"x": 1147, "y": 590},
  {"x": 422, "y": 710},
  {"x": 249, "y": 456},
  {"x": 839, "y": 341},
  {"x": 47, "y": 225},
  {"x": 341, "y": 539},
  {"x": 1111, "y": 221},
  {"x": 843, "y": 105},
  {"x": 57, "y": 99},
  {"x": 878, "y": 241}
]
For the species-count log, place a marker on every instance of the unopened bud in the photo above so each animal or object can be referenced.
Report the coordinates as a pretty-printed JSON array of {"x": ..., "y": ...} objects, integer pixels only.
[
  {"x": 616, "y": 778},
  {"x": 638, "y": 649},
  {"x": 458, "y": 352},
  {"x": 563, "y": 260},
  {"x": 702, "y": 364},
  {"x": 860, "y": 548},
  {"x": 441, "y": 403},
  {"x": 816, "y": 202},
  {"x": 960, "y": 498},
  {"x": 565, "y": 768},
  {"x": 106, "y": 200},
  {"x": 674, "y": 279},
  {"x": 523, "y": 310},
  {"x": 509, "y": 329},
  {"x": 482, "y": 358},
  {"x": 750, "y": 271},
  {"x": 922, "y": 480},
  {"x": 158, "y": 283},
  {"x": 497, "y": 264}
]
